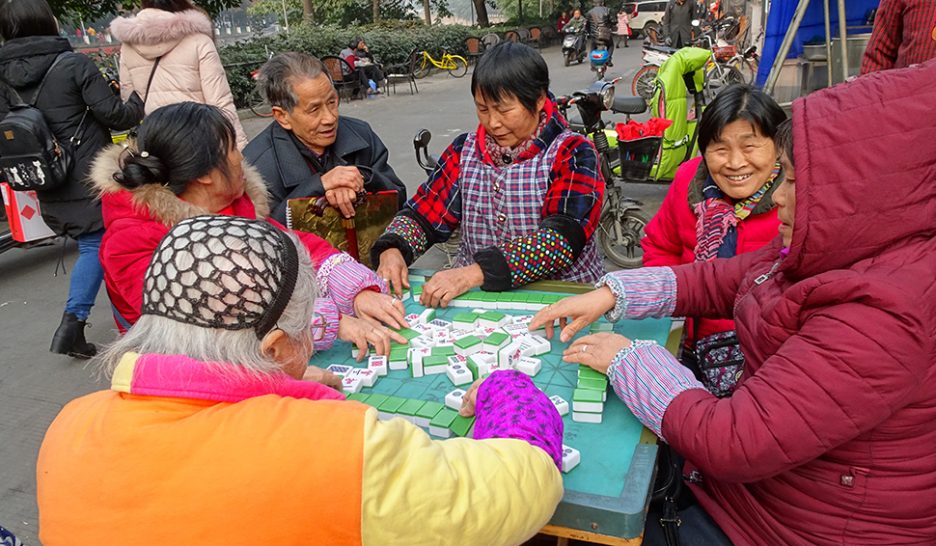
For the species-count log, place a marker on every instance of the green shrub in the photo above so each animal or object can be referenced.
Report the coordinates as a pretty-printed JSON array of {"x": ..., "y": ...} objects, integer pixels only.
[{"x": 391, "y": 43}]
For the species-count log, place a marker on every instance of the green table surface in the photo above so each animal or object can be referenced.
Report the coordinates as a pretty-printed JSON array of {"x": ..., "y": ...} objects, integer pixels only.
[{"x": 607, "y": 492}]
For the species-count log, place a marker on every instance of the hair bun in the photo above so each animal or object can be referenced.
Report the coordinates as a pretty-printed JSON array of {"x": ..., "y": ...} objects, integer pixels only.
[{"x": 138, "y": 171}]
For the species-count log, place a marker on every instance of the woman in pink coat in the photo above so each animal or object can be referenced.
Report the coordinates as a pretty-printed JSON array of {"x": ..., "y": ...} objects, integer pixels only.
[
  {"x": 720, "y": 205},
  {"x": 179, "y": 37},
  {"x": 828, "y": 438}
]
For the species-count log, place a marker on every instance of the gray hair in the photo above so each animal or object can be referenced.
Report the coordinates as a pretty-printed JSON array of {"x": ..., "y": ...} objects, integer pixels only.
[
  {"x": 279, "y": 75},
  {"x": 160, "y": 335}
]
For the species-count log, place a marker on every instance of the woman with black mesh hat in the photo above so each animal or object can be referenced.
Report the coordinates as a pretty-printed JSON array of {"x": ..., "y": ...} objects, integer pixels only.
[
  {"x": 185, "y": 163},
  {"x": 208, "y": 434}
]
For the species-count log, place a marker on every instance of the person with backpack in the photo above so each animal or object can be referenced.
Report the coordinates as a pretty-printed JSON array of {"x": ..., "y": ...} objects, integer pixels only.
[{"x": 39, "y": 73}]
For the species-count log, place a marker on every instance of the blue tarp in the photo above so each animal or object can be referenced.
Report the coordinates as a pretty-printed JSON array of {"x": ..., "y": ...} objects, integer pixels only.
[{"x": 812, "y": 29}]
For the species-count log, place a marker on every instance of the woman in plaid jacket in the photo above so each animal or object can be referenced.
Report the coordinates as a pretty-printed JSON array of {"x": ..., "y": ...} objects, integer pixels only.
[{"x": 524, "y": 189}]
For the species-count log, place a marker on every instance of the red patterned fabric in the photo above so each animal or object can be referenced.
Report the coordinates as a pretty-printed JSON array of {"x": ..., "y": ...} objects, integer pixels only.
[{"x": 904, "y": 34}]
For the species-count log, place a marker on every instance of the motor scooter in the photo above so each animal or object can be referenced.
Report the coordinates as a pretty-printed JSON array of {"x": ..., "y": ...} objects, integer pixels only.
[
  {"x": 599, "y": 59},
  {"x": 573, "y": 46},
  {"x": 622, "y": 220}
]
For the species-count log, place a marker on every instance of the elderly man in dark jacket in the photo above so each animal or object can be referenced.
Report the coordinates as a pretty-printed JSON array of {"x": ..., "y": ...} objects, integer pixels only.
[{"x": 309, "y": 150}]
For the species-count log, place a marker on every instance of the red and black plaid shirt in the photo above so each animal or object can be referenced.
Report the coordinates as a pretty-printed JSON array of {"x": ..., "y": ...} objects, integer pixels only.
[
  {"x": 904, "y": 34},
  {"x": 575, "y": 185}
]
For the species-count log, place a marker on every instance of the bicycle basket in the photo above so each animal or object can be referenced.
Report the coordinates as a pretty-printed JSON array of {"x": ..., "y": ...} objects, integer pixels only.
[
  {"x": 638, "y": 157},
  {"x": 725, "y": 53}
]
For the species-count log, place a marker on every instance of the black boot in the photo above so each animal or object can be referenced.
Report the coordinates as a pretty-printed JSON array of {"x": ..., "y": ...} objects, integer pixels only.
[{"x": 69, "y": 339}]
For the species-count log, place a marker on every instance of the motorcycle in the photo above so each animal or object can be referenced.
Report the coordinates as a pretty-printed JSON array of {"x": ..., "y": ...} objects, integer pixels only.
[
  {"x": 644, "y": 82},
  {"x": 573, "y": 46},
  {"x": 622, "y": 221},
  {"x": 599, "y": 58}
]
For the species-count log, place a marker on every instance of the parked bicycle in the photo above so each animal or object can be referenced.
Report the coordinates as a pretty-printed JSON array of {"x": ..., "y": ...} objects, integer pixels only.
[
  {"x": 455, "y": 65},
  {"x": 257, "y": 101}
]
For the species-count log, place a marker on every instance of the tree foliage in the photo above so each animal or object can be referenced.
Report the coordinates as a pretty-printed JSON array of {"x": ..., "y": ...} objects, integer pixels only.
[{"x": 91, "y": 9}]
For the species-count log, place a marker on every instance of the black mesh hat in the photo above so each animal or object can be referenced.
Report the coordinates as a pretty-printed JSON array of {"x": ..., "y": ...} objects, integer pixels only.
[{"x": 222, "y": 272}]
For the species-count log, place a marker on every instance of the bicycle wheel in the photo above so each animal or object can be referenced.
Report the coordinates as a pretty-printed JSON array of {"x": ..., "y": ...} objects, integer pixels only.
[
  {"x": 747, "y": 69},
  {"x": 258, "y": 104},
  {"x": 733, "y": 75},
  {"x": 458, "y": 66},
  {"x": 422, "y": 68},
  {"x": 621, "y": 243},
  {"x": 644, "y": 84}
]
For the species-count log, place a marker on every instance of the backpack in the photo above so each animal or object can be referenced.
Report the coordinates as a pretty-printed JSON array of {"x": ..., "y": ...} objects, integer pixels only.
[{"x": 31, "y": 158}]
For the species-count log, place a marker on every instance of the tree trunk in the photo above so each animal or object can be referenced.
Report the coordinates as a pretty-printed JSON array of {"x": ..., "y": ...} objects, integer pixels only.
[
  {"x": 308, "y": 11},
  {"x": 519, "y": 11},
  {"x": 481, "y": 12},
  {"x": 428, "y": 12},
  {"x": 376, "y": 10}
]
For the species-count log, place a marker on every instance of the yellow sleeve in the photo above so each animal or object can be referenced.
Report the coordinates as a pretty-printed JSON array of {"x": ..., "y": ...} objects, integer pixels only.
[{"x": 459, "y": 491}]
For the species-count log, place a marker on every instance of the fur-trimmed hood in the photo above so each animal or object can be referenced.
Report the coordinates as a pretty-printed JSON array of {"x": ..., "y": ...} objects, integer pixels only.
[
  {"x": 158, "y": 202},
  {"x": 154, "y": 32}
]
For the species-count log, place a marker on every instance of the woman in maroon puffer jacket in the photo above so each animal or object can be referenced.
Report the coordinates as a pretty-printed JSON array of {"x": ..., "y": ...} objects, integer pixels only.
[{"x": 829, "y": 437}]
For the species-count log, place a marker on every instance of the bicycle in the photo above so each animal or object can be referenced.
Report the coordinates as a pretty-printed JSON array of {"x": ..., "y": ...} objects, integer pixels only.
[
  {"x": 257, "y": 101},
  {"x": 456, "y": 65},
  {"x": 718, "y": 73}
]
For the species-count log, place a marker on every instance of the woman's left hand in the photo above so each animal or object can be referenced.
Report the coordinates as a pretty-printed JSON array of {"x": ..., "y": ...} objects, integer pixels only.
[
  {"x": 380, "y": 308},
  {"x": 325, "y": 377},
  {"x": 448, "y": 284},
  {"x": 596, "y": 351}
]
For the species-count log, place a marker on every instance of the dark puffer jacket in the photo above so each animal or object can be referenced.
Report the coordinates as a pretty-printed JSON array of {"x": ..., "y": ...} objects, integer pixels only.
[{"x": 74, "y": 85}]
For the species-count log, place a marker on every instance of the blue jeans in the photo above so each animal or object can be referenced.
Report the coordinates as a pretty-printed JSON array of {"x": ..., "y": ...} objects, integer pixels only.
[{"x": 86, "y": 276}]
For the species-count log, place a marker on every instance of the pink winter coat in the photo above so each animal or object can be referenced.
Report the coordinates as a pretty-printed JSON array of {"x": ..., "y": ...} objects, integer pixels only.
[
  {"x": 189, "y": 70},
  {"x": 830, "y": 437}
]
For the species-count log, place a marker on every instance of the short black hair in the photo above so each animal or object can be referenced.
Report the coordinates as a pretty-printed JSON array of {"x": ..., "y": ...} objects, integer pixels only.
[
  {"x": 23, "y": 18},
  {"x": 511, "y": 69},
  {"x": 784, "y": 139},
  {"x": 739, "y": 101},
  {"x": 169, "y": 5},
  {"x": 177, "y": 144}
]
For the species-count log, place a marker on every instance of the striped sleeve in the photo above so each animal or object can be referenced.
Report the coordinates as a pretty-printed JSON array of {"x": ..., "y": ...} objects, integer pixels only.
[
  {"x": 641, "y": 293},
  {"x": 342, "y": 278},
  {"x": 646, "y": 377}
]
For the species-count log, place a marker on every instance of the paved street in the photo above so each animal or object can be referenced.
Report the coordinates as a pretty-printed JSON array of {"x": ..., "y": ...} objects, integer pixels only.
[{"x": 34, "y": 384}]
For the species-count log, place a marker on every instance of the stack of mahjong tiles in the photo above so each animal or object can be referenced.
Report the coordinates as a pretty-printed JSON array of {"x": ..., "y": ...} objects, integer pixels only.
[
  {"x": 442, "y": 421},
  {"x": 591, "y": 392},
  {"x": 476, "y": 299},
  {"x": 469, "y": 347}
]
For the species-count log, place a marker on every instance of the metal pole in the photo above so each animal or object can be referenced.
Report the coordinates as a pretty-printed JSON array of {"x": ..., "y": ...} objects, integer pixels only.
[
  {"x": 285, "y": 17},
  {"x": 843, "y": 37},
  {"x": 785, "y": 46},
  {"x": 828, "y": 42}
]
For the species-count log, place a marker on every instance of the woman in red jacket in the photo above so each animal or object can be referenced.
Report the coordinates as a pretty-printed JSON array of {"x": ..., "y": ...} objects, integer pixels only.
[
  {"x": 185, "y": 163},
  {"x": 720, "y": 205},
  {"x": 828, "y": 438}
]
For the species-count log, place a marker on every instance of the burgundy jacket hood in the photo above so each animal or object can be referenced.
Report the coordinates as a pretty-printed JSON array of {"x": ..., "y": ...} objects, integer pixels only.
[{"x": 865, "y": 169}]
